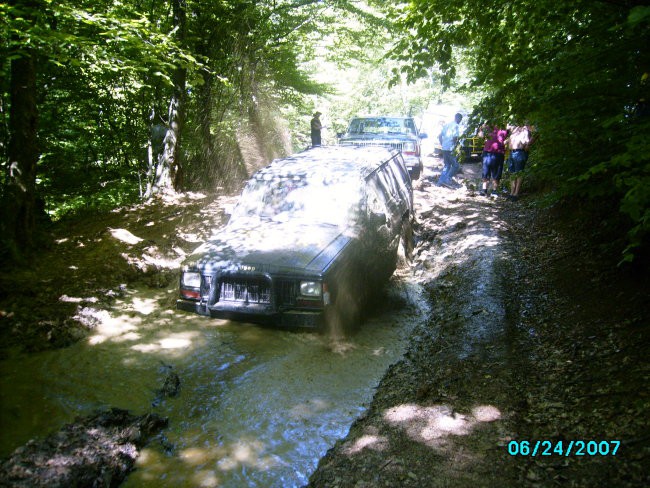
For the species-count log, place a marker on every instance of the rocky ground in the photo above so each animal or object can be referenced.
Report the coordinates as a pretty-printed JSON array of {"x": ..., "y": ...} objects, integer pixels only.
[
  {"x": 534, "y": 335},
  {"x": 98, "y": 451}
]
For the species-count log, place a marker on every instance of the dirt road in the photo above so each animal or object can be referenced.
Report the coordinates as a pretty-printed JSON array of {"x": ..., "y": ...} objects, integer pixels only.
[{"x": 534, "y": 336}]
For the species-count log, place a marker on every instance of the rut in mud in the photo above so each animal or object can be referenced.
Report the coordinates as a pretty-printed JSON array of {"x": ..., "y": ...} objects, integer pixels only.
[{"x": 533, "y": 335}]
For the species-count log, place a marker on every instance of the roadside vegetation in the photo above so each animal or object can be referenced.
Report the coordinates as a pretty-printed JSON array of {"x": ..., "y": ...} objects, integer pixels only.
[{"x": 103, "y": 104}]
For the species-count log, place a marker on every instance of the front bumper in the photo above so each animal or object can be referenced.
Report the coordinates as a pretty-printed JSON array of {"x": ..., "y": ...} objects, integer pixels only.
[
  {"x": 414, "y": 165},
  {"x": 258, "y": 314}
]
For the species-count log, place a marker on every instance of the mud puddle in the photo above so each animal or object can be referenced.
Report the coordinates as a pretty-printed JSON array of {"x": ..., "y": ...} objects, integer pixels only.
[{"x": 257, "y": 406}]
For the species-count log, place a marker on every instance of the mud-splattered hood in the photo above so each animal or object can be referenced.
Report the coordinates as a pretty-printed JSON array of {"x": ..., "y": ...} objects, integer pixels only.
[{"x": 272, "y": 247}]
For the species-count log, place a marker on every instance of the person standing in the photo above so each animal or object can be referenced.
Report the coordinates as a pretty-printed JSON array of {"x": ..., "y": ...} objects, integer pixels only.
[
  {"x": 316, "y": 127},
  {"x": 494, "y": 152},
  {"x": 448, "y": 138},
  {"x": 519, "y": 142}
]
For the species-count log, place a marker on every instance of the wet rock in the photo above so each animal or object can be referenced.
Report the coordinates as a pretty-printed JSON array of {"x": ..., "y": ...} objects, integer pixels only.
[
  {"x": 171, "y": 386},
  {"x": 95, "y": 451}
]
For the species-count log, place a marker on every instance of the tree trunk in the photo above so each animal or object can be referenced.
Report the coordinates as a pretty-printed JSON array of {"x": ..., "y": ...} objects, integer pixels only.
[
  {"x": 168, "y": 171},
  {"x": 22, "y": 152}
]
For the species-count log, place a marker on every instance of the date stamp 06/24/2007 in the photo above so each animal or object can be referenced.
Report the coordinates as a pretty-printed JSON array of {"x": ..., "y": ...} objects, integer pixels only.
[{"x": 564, "y": 448}]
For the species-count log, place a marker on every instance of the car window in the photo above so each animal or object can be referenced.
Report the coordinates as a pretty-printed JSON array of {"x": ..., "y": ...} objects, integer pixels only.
[
  {"x": 409, "y": 125},
  {"x": 381, "y": 125}
]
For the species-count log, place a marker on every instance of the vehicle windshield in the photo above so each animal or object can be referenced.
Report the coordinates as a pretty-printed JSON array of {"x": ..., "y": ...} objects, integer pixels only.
[
  {"x": 316, "y": 197},
  {"x": 382, "y": 125}
]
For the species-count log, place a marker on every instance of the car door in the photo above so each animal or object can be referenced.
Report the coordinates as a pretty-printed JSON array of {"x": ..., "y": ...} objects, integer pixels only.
[{"x": 381, "y": 229}]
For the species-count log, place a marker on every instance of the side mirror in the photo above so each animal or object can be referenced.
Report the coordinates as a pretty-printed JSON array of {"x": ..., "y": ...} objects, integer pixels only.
[{"x": 423, "y": 135}]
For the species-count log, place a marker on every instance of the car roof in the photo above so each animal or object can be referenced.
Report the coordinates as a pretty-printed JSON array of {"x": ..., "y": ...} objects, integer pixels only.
[{"x": 362, "y": 160}]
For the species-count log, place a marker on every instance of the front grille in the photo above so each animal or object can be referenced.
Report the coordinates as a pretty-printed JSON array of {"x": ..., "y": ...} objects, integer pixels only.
[
  {"x": 392, "y": 145},
  {"x": 256, "y": 289},
  {"x": 245, "y": 289},
  {"x": 286, "y": 292}
]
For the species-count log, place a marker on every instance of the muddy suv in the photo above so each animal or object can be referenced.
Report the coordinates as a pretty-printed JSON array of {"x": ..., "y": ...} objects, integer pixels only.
[
  {"x": 399, "y": 133},
  {"x": 311, "y": 238}
]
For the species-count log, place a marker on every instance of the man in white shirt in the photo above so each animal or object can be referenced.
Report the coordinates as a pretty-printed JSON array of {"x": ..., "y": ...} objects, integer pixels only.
[{"x": 448, "y": 140}]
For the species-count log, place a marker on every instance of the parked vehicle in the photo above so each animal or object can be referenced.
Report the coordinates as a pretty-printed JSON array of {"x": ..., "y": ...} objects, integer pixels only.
[
  {"x": 399, "y": 133},
  {"x": 472, "y": 148},
  {"x": 311, "y": 238}
]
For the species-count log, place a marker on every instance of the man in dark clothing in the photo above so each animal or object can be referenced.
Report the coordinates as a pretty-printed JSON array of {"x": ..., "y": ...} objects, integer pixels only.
[{"x": 316, "y": 127}]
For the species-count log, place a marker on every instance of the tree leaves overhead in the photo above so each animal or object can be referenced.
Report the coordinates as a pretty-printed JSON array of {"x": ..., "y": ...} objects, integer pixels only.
[
  {"x": 574, "y": 69},
  {"x": 106, "y": 73},
  {"x": 96, "y": 36}
]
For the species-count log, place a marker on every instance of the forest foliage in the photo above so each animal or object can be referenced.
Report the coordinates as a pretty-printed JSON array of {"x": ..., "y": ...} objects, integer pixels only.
[
  {"x": 575, "y": 70},
  {"x": 127, "y": 99},
  {"x": 103, "y": 103}
]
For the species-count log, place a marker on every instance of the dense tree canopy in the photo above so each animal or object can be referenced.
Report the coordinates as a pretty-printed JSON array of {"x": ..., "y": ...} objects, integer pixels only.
[
  {"x": 102, "y": 103},
  {"x": 576, "y": 70},
  {"x": 105, "y": 102}
]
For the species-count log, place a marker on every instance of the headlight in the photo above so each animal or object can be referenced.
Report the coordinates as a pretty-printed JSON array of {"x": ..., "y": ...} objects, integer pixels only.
[
  {"x": 191, "y": 279},
  {"x": 311, "y": 288},
  {"x": 408, "y": 147}
]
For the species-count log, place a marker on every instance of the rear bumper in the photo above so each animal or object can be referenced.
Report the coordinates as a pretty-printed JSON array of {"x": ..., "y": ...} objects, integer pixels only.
[{"x": 257, "y": 314}]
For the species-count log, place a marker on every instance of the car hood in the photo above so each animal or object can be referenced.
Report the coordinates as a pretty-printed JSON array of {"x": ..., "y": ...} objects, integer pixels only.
[
  {"x": 378, "y": 137},
  {"x": 271, "y": 247}
]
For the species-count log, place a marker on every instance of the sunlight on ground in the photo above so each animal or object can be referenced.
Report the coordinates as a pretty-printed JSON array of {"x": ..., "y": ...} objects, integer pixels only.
[
  {"x": 477, "y": 240},
  {"x": 246, "y": 453},
  {"x": 177, "y": 198},
  {"x": 165, "y": 263},
  {"x": 370, "y": 440},
  {"x": 148, "y": 261},
  {"x": 181, "y": 340},
  {"x": 67, "y": 299},
  {"x": 125, "y": 236},
  {"x": 120, "y": 328},
  {"x": 191, "y": 237},
  {"x": 207, "y": 463},
  {"x": 144, "y": 306},
  {"x": 132, "y": 320},
  {"x": 430, "y": 424}
]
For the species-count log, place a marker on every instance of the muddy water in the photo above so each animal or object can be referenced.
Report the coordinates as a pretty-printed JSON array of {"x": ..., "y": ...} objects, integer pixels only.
[{"x": 257, "y": 406}]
